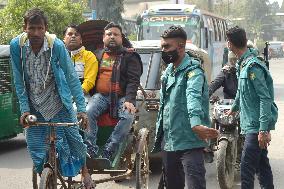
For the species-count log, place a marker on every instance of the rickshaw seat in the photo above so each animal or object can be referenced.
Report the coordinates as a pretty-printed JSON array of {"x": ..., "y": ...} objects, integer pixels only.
[{"x": 105, "y": 120}]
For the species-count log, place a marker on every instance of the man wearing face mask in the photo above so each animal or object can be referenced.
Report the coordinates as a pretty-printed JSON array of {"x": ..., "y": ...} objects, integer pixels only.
[
  {"x": 183, "y": 119},
  {"x": 116, "y": 87}
]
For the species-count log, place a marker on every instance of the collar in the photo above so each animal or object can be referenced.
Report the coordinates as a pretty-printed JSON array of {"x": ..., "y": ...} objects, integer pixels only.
[
  {"x": 249, "y": 53},
  {"x": 43, "y": 48},
  {"x": 184, "y": 63},
  {"x": 75, "y": 52}
]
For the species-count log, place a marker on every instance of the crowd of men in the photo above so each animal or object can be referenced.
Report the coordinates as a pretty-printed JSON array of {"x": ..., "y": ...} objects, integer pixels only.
[{"x": 49, "y": 74}]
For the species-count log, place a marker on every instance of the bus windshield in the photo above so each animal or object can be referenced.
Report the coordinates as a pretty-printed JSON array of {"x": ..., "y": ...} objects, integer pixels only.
[{"x": 152, "y": 27}]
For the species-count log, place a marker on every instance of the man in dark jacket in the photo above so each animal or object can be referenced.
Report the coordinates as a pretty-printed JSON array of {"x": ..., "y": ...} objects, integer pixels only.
[
  {"x": 116, "y": 87},
  {"x": 227, "y": 79}
]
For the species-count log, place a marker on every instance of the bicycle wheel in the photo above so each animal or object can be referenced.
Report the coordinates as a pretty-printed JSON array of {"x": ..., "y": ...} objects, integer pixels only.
[
  {"x": 142, "y": 162},
  {"x": 47, "y": 179}
]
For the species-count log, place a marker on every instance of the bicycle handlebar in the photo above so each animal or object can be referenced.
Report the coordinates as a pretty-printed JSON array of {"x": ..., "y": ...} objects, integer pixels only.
[{"x": 31, "y": 120}]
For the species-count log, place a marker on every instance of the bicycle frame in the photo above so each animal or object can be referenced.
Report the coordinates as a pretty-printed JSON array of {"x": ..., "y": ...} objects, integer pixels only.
[{"x": 51, "y": 139}]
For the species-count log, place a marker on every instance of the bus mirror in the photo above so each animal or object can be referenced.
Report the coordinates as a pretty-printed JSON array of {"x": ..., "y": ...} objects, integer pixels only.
[{"x": 139, "y": 20}]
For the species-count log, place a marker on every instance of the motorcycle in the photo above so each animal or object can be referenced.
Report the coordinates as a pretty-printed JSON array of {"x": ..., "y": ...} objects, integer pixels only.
[{"x": 228, "y": 144}]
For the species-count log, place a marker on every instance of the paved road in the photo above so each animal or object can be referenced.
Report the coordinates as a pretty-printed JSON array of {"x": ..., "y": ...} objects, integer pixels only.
[{"x": 15, "y": 165}]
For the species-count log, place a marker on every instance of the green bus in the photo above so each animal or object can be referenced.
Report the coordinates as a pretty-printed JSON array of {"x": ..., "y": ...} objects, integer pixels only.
[
  {"x": 9, "y": 108},
  {"x": 204, "y": 29}
]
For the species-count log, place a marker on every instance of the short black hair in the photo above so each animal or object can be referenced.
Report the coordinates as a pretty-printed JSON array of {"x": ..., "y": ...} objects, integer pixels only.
[
  {"x": 237, "y": 36},
  {"x": 113, "y": 25},
  {"x": 75, "y": 27},
  {"x": 174, "y": 32},
  {"x": 35, "y": 15}
]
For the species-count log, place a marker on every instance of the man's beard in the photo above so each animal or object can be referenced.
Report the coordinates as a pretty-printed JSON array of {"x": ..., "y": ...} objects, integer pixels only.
[{"x": 113, "y": 47}]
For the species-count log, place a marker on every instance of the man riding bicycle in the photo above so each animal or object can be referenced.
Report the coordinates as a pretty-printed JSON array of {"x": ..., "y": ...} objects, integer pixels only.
[{"x": 46, "y": 82}]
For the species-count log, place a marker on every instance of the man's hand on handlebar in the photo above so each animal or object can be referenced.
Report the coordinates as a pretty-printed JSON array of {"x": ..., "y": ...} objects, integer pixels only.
[
  {"x": 22, "y": 119},
  {"x": 84, "y": 120}
]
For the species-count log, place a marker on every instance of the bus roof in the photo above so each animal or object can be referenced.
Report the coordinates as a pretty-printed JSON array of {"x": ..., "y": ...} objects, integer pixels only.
[
  {"x": 179, "y": 9},
  {"x": 170, "y": 8}
]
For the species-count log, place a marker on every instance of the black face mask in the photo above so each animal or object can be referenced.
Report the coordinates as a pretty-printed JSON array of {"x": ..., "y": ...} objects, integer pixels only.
[{"x": 170, "y": 56}]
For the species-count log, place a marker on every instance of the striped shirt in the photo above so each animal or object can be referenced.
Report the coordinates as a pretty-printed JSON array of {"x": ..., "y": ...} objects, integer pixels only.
[{"x": 43, "y": 92}]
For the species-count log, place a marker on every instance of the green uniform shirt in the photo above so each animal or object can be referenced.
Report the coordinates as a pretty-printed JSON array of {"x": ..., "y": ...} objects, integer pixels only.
[
  {"x": 184, "y": 103},
  {"x": 255, "y": 95}
]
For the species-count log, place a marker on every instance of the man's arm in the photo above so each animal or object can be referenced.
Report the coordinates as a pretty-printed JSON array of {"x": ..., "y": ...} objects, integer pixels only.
[
  {"x": 194, "y": 94},
  {"x": 134, "y": 73},
  {"x": 195, "y": 81},
  {"x": 217, "y": 83},
  {"x": 18, "y": 76},
  {"x": 257, "y": 78},
  {"x": 90, "y": 72},
  {"x": 71, "y": 76}
]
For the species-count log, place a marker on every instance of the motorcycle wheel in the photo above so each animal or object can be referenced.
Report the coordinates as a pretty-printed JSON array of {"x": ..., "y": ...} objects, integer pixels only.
[{"x": 225, "y": 164}]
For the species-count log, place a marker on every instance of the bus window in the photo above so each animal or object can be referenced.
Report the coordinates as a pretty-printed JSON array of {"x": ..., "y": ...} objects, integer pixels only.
[
  {"x": 206, "y": 37},
  {"x": 221, "y": 31},
  {"x": 225, "y": 29},
  {"x": 215, "y": 29}
]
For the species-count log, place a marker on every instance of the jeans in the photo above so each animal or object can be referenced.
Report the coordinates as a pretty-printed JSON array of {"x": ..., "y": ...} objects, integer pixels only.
[
  {"x": 255, "y": 161},
  {"x": 184, "y": 165},
  {"x": 98, "y": 105}
]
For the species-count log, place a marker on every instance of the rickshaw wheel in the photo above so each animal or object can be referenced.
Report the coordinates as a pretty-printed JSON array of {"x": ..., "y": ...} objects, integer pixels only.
[
  {"x": 34, "y": 178},
  {"x": 142, "y": 165},
  {"x": 46, "y": 179}
]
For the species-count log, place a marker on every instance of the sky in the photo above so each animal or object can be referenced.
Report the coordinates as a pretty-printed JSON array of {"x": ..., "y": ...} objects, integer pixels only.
[{"x": 279, "y": 2}]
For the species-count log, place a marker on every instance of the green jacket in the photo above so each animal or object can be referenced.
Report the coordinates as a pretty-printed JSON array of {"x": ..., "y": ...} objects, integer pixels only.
[
  {"x": 255, "y": 95},
  {"x": 184, "y": 103}
]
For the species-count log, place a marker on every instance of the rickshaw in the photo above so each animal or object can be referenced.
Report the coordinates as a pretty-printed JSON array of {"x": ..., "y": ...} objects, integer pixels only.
[
  {"x": 9, "y": 109},
  {"x": 132, "y": 157}
]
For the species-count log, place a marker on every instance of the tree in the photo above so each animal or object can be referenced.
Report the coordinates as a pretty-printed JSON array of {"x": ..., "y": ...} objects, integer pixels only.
[
  {"x": 60, "y": 13},
  {"x": 110, "y": 10}
]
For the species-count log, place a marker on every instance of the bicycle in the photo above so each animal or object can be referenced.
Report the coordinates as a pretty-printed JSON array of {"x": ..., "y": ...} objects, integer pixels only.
[{"x": 50, "y": 173}]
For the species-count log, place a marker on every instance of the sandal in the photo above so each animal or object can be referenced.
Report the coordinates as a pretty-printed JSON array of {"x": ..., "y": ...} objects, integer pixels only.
[{"x": 87, "y": 182}]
